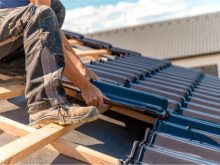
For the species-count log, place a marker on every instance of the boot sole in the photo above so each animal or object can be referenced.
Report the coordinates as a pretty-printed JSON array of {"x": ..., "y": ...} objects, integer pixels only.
[{"x": 47, "y": 120}]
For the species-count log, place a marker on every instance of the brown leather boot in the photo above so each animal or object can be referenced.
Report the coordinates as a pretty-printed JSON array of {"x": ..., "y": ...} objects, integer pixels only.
[{"x": 64, "y": 115}]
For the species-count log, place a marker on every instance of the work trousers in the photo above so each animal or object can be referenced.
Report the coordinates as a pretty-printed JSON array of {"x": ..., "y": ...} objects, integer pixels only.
[{"x": 36, "y": 31}]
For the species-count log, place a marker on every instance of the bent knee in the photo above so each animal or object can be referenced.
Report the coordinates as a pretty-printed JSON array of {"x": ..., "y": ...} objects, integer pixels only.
[
  {"x": 60, "y": 11},
  {"x": 44, "y": 11},
  {"x": 47, "y": 17}
]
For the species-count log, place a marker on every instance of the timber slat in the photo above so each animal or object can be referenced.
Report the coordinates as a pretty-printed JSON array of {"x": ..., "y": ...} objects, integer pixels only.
[
  {"x": 17, "y": 150},
  {"x": 62, "y": 146},
  {"x": 10, "y": 91},
  {"x": 95, "y": 52},
  {"x": 74, "y": 42}
]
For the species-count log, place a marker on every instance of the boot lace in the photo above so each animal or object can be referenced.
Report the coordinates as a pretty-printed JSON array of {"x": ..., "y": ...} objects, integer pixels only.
[{"x": 63, "y": 107}]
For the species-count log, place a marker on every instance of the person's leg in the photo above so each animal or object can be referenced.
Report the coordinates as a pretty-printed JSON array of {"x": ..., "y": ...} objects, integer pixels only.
[
  {"x": 12, "y": 24},
  {"x": 44, "y": 66},
  {"x": 59, "y": 10},
  {"x": 42, "y": 92},
  {"x": 14, "y": 62},
  {"x": 44, "y": 60}
]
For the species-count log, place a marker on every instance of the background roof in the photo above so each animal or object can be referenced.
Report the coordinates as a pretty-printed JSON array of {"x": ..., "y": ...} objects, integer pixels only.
[{"x": 171, "y": 39}]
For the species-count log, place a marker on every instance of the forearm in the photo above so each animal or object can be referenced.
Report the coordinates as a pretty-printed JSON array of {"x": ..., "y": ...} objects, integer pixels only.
[
  {"x": 41, "y": 2},
  {"x": 90, "y": 94},
  {"x": 72, "y": 56},
  {"x": 74, "y": 69},
  {"x": 73, "y": 74}
]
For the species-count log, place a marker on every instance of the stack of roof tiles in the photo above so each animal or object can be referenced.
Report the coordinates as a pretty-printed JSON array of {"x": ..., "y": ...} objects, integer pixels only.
[{"x": 189, "y": 127}]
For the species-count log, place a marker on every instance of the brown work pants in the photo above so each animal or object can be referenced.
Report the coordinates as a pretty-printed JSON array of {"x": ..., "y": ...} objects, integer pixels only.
[{"x": 35, "y": 30}]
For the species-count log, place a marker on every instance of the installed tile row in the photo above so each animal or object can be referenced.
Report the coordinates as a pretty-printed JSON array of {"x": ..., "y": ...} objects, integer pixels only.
[
  {"x": 186, "y": 101},
  {"x": 189, "y": 92},
  {"x": 179, "y": 140}
]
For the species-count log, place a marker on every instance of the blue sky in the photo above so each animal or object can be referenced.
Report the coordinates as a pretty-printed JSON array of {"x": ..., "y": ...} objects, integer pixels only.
[
  {"x": 71, "y": 4},
  {"x": 88, "y": 16}
]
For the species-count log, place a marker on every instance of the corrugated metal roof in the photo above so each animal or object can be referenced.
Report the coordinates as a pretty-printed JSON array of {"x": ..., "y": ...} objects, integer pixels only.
[
  {"x": 191, "y": 118},
  {"x": 171, "y": 39}
]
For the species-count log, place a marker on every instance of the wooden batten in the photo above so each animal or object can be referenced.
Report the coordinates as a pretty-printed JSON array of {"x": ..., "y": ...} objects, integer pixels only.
[
  {"x": 95, "y": 52},
  {"x": 17, "y": 150},
  {"x": 14, "y": 128},
  {"x": 74, "y": 42},
  {"x": 84, "y": 154},
  {"x": 111, "y": 120},
  {"x": 11, "y": 90},
  {"x": 133, "y": 114},
  {"x": 88, "y": 59},
  {"x": 62, "y": 146}
]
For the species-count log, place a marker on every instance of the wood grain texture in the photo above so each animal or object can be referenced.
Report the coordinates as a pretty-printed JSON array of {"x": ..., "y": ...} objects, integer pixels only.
[
  {"x": 62, "y": 146},
  {"x": 133, "y": 114},
  {"x": 10, "y": 91},
  {"x": 17, "y": 150}
]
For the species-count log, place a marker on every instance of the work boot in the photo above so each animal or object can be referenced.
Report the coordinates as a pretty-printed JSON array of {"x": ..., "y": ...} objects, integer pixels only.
[{"x": 64, "y": 114}]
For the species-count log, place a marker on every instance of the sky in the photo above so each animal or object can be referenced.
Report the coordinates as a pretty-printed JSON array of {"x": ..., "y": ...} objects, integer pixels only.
[{"x": 89, "y": 16}]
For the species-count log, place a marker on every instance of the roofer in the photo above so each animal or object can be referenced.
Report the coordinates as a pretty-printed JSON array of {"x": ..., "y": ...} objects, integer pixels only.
[{"x": 34, "y": 26}]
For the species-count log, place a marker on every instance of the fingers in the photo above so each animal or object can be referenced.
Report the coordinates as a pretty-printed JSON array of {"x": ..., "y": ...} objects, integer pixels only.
[
  {"x": 90, "y": 101},
  {"x": 96, "y": 100},
  {"x": 92, "y": 96},
  {"x": 101, "y": 101}
]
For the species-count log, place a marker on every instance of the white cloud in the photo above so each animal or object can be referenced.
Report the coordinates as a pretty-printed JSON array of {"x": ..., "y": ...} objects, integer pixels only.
[{"x": 91, "y": 19}]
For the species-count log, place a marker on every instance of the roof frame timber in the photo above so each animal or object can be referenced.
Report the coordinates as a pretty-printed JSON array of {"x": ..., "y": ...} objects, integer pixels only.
[
  {"x": 18, "y": 149},
  {"x": 62, "y": 146},
  {"x": 90, "y": 54}
]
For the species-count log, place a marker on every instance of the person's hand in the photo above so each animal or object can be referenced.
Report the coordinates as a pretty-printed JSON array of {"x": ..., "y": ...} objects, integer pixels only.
[
  {"x": 92, "y": 95},
  {"x": 91, "y": 75}
]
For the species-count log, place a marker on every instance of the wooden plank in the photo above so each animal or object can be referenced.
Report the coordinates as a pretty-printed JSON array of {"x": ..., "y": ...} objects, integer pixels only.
[
  {"x": 17, "y": 150},
  {"x": 14, "y": 128},
  {"x": 133, "y": 114},
  {"x": 70, "y": 92},
  {"x": 74, "y": 42},
  {"x": 7, "y": 77},
  {"x": 88, "y": 59},
  {"x": 62, "y": 146},
  {"x": 83, "y": 153},
  {"x": 95, "y": 52},
  {"x": 10, "y": 91},
  {"x": 81, "y": 54},
  {"x": 111, "y": 120}
]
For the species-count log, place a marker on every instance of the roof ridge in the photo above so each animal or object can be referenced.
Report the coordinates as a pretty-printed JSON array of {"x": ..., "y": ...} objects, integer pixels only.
[{"x": 155, "y": 23}]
